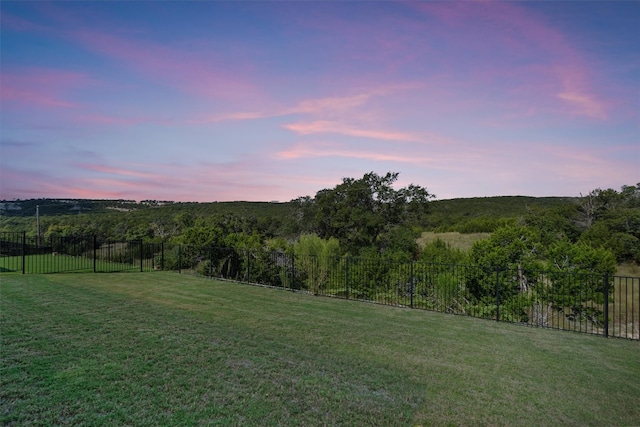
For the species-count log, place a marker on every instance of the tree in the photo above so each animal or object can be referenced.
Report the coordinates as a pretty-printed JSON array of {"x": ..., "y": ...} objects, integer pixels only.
[
  {"x": 574, "y": 287},
  {"x": 554, "y": 223},
  {"x": 358, "y": 211},
  {"x": 615, "y": 224},
  {"x": 514, "y": 254},
  {"x": 595, "y": 204},
  {"x": 201, "y": 237}
]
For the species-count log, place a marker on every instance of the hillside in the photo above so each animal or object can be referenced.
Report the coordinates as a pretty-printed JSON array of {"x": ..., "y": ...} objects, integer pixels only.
[
  {"x": 441, "y": 212},
  {"x": 467, "y": 214},
  {"x": 49, "y": 207}
]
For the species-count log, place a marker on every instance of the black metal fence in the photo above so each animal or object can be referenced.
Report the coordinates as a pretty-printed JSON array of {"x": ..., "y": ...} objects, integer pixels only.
[
  {"x": 21, "y": 253},
  {"x": 590, "y": 303}
]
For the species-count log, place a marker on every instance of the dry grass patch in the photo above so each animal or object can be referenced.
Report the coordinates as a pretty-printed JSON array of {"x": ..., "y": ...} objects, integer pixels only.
[{"x": 462, "y": 241}]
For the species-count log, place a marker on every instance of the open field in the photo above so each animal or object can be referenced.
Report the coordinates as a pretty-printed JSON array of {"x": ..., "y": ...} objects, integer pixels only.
[{"x": 165, "y": 349}]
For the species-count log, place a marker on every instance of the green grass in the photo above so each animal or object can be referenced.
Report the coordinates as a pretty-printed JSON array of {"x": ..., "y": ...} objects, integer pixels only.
[
  {"x": 164, "y": 349},
  {"x": 48, "y": 263}
]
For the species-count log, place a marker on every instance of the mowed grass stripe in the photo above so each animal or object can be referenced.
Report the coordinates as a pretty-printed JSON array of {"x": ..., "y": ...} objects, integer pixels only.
[{"x": 164, "y": 349}]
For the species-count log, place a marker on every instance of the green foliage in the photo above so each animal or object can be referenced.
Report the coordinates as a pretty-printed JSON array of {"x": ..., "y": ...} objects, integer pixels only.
[
  {"x": 439, "y": 287},
  {"x": 367, "y": 215},
  {"x": 553, "y": 223},
  {"x": 507, "y": 247},
  {"x": 483, "y": 224},
  {"x": 201, "y": 236},
  {"x": 485, "y": 212},
  {"x": 508, "y": 264},
  {"x": 358, "y": 211},
  {"x": 59, "y": 230},
  {"x": 618, "y": 231},
  {"x": 251, "y": 241},
  {"x": 399, "y": 243},
  {"x": 566, "y": 257},
  {"x": 574, "y": 290},
  {"x": 438, "y": 251},
  {"x": 316, "y": 259}
]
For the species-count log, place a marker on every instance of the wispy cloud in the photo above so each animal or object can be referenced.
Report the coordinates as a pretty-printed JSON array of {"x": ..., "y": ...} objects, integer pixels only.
[
  {"x": 174, "y": 67},
  {"x": 105, "y": 119},
  {"x": 333, "y": 106},
  {"x": 584, "y": 104},
  {"x": 323, "y": 126},
  {"x": 12, "y": 22},
  {"x": 41, "y": 87},
  {"x": 304, "y": 151},
  {"x": 110, "y": 170},
  {"x": 469, "y": 98},
  {"x": 550, "y": 65}
]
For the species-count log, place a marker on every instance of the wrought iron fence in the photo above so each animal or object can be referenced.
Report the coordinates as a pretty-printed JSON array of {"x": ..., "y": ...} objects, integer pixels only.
[
  {"x": 55, "y": 254},
  {"x": 589, "y": 303}
]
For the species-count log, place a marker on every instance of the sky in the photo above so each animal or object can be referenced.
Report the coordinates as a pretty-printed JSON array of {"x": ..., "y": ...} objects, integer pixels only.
[{"x": 270, "y": 101}]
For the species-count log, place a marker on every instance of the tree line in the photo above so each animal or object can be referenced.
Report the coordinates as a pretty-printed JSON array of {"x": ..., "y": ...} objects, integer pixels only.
[{"x": 370, "y": 217}]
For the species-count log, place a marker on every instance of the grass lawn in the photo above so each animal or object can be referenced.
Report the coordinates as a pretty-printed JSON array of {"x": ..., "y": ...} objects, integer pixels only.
[
  {"x": 48, "y": 263},
  {"x": 165, "y": 349}
]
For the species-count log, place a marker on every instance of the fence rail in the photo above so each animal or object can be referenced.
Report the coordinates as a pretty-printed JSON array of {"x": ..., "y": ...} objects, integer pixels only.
[{"x": 589, "y": 303}]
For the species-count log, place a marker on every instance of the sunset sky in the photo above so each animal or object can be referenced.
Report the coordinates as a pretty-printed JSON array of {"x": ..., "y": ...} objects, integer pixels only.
[{"x": 268, "y": 101}]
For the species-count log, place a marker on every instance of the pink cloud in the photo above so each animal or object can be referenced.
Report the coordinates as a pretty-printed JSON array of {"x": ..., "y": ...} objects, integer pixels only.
[
  {"x": 215, "y": 75},
  {"x": 561, "y": 74},
  {"x": 324, "y": 126},
  {"x": 584, "y": 104},
  {"x": 175, "y": 66},
  {"x": 306, "y": 151},
  {"x": 118, "y": 171},
  {"x": 324, "y": 106},
  {"x": 330, "y": 105},
  {"x": 14, "y": 23},
  {"x": 42, "y": 87},
  {"x": 110, "y": 120}
]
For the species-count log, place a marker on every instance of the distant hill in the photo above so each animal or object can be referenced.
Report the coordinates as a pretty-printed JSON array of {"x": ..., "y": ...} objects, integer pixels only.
[
  {"x": 50, "y": 207},
  {"x": 454, "y": 214},
  {"x": 476, "y": 214},
  {"x": 61, "y": 206},
  {"x": 441, "y": 212}
]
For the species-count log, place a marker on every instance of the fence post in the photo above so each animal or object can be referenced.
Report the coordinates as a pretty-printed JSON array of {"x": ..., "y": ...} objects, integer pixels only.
[
  {"x": 95, "y": 252},
  {"x": 606, "y": 305},
  {"x": 162, "y": 256},
  {"x": 412, "y": 283},
  {"x": 24, "y": 250},
  {"x": 141, "y": 256},
  {"x": 346, "y": 277},
  {"x": 211, "y": 262},
  {"x": 293, "y": 272},
  {"x": 498, "y": 294},
  {"x": 179, "y": 259},
  {"x": 247, "y": 258}
]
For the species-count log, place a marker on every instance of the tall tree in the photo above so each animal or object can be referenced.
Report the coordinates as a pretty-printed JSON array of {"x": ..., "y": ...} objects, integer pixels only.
[{"x": 358, "y": 211}]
